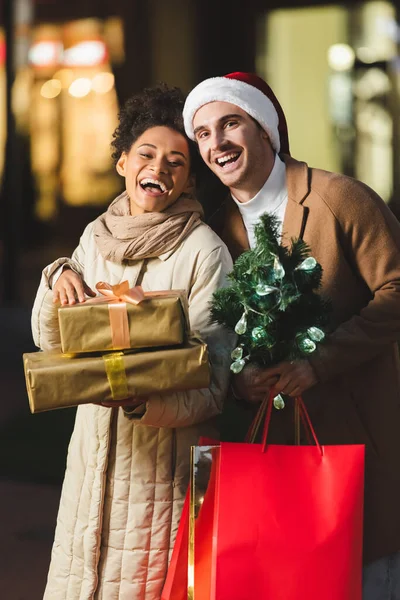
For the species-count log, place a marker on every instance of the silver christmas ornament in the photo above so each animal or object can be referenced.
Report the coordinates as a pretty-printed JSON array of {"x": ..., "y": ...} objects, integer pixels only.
[
  {"x": 237, "y": 353},
  {"x": 279, "y": 402},
  {"x": 279, "y": 271},
  {"x": 306, "y": 345},
  {"x": 241, "y": 325},
  {"x": 308, "y": 264},
  {"x": 237, "y": 366},
  {"x": 262, "y": 289},
  {"x": 258, "y": 333},
  {"x": 316, "y": 334}
]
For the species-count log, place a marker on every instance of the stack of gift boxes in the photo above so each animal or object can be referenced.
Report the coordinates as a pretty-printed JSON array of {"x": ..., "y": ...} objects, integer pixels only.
[{"x": 123, "y": 344}]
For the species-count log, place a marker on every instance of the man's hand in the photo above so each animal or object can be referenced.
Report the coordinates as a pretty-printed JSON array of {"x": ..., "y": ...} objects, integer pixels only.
[
  {"x": 253, "y": 383},
  {"x": 294, "y": 377},
  {"x": 70, "y": 288}
]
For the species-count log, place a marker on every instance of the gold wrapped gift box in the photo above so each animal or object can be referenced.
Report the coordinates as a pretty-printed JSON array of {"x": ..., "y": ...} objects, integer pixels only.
[
  {"x": 57, "y": 381},
  {"x": 156, "y": 321}
]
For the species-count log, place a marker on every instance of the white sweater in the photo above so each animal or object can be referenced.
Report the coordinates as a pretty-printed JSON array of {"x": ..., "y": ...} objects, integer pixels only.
[{"x": 271, "y": 198}]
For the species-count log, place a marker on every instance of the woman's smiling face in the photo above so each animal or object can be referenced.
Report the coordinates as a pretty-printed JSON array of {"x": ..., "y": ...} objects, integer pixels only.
[{"x": 156, "y": 169}]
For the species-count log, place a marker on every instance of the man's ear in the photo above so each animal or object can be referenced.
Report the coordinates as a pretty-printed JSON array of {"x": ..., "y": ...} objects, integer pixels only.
[
  {"x": 121, "y": 163},
  {"x": 266, "y": 137},
  {"x": 190, "y": 187}
]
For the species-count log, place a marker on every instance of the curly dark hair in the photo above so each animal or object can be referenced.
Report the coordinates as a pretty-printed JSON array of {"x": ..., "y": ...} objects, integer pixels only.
[{"x": 156, "y": 106}]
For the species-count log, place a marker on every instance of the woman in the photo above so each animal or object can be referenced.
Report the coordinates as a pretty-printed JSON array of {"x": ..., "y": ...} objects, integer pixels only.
[{"x": 127, "y": 468}]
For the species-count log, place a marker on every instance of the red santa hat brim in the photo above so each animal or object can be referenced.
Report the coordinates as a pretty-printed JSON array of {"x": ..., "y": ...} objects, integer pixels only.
[{"x": 241, "y": 94}]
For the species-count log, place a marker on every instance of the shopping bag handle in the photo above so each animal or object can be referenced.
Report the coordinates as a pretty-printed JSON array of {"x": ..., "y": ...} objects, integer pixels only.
[
  {"x": 305, "y": 417},
  {"x": 259, "y": 419},
  {"x": 299, "y": 404},
  {"x": 256, "y": 423}
]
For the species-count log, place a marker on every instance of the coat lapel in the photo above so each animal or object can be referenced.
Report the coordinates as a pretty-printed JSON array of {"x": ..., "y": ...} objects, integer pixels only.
[
  {"x": 235, "y": 234},
  {"x": 297, "y": 180}
]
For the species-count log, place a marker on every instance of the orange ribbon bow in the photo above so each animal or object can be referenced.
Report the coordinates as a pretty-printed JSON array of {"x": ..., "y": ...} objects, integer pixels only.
[
  {"x": 118, "y": 296},
  {"x": 121, "y": 292}
]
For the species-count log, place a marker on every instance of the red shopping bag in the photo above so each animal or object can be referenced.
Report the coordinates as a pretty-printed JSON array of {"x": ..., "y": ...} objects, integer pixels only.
[
  {"x": 176, "y": 583},
  {"x": 175, "y": 587},
  {"x": 277, "y": 523},
  {"x": 287, "y": 522}
]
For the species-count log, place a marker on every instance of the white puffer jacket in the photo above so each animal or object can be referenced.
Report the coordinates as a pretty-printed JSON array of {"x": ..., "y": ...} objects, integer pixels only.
[{"x": 126, "y": 479}]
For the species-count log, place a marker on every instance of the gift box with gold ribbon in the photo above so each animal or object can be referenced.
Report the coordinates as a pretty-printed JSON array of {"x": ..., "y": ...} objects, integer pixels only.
[
  {"x": 123, "y": 317},
  {"x": 58, "y": 381}
]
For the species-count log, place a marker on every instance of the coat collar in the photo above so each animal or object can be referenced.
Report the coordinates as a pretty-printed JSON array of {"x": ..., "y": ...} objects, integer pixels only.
[
  {"x": 298, "y": 184},
  {"x": 228, "y": 223}
]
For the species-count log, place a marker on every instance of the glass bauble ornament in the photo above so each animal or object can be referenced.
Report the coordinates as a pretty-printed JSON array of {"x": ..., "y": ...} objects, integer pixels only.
[
  {"x": 258, "y": 333},
  {"x": 308, "y": 264},
  {"x": 279, "y": 402},
  {"x": 237, "y": 353},
  {"x": 237, "y": 366},
  {"x": 262, "y": 289},
  {"x": 316, "y": 334},
  {"x": 306, "y": 345},
  {"x": 241, "y": 325},
  {"x": 279, "y": 271}
]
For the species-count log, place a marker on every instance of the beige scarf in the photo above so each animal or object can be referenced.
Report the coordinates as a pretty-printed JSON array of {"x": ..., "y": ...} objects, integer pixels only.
[{"x": 121, "y": 236}]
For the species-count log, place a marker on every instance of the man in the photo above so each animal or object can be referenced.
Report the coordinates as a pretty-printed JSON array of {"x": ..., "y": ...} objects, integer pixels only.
[{"x": 351, "y": 384}]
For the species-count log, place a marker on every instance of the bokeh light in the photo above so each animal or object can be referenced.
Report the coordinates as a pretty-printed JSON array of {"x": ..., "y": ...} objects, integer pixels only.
[
  {"x": 341, "y": 57},
  {"x": 66, "y": 76},
  {"x": 80, "y": 87},
  {"x": 102, "y": 83},
  {"x": 51, "y": 88}
]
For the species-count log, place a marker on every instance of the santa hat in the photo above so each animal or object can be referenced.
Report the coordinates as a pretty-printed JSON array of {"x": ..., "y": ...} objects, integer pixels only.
[{"x": 248, "y": 91}]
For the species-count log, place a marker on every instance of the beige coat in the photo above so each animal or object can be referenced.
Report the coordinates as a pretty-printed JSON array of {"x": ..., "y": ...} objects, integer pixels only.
[
  {"x": 356, "y": 238},
  {"x": 126, "y": 479}
]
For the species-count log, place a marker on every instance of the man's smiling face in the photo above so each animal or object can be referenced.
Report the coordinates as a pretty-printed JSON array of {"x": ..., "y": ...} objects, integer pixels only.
[{"x": 234, "y": 147}]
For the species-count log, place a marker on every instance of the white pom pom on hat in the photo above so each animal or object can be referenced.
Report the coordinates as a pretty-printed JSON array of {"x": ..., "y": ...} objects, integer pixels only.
[{"x": 250, "y": 93}]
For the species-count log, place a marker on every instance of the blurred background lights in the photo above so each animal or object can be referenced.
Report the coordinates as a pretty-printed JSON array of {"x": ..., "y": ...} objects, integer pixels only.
[
  {"x": 388, "y": 26},
  {"x": 80, "y": 87},
  {"x": 51, "y": 88},
  {"x": 65, "y": 76},
  {"x": 366, "y": 55},
  {"x": 85, "y": 54},
  {"x": 341, "y": 57},
  {"x": 372, "y": 83},
  {"x": 102, "y": 83},
  {"x": 43, "y": 54}
]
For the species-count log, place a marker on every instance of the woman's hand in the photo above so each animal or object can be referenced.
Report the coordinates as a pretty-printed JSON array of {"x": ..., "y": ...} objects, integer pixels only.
[
  {"x": 132, "y": 403},
  {"x": 71, "y": 288}
]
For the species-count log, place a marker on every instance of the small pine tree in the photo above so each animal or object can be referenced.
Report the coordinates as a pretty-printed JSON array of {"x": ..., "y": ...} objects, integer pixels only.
[{"x": 272, "y": 302}]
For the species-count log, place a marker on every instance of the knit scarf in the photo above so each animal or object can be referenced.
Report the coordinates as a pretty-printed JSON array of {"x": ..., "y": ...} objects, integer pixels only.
[{"x": 121, "y": 236}]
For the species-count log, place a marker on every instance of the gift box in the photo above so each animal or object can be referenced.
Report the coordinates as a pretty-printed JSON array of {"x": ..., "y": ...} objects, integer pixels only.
[
  {"x": 58, "y": 381},
  {"x": 124, "y": 318}
]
